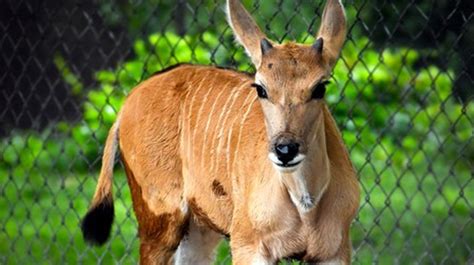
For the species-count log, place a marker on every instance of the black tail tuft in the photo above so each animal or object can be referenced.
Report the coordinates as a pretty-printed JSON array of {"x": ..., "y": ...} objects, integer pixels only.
[{"x": 97, "y": 223}]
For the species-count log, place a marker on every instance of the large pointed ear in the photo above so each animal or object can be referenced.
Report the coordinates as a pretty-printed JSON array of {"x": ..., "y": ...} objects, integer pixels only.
[
  {"x": 246, "y": 31},
  {"x": 332, "y": 32}
]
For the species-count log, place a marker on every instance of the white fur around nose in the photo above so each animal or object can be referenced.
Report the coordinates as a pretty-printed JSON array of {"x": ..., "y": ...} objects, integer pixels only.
[{"x": 275, "y": 161}]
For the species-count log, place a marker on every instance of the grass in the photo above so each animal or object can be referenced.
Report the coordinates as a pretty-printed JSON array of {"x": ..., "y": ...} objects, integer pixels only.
[
  {"x": 41, "y": 223},
  {"x": 425, "y": 218}
]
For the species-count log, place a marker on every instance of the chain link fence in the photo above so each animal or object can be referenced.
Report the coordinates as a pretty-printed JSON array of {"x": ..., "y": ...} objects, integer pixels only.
[{"x": 402, "y": 95}]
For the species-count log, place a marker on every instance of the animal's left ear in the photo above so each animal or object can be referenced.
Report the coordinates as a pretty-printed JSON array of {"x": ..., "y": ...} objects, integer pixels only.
[{"x": 332, "y": 32}]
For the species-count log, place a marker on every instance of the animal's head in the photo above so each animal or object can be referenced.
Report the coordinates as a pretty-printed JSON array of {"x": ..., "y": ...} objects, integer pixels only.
[{"x": 290, "y": 81}]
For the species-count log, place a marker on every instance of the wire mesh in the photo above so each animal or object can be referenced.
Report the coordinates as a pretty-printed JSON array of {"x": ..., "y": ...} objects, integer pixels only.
[{"x": 401, "y": 94}]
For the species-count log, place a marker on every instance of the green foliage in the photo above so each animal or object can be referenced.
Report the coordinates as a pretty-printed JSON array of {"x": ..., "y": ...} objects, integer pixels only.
[
  {"x": 143, "y": 16},
  {"x": 67, "y": 75},
  {"x": 405, "y": 132},
  {"x": 41, "y": 224},
  {"x": 401, "y": 124},
  {"x": 42, "y": 151}
]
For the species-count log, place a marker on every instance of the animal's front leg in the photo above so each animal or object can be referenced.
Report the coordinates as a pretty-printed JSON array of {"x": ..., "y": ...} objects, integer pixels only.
[
  {"x": 343, "y": 255},
  {"x": 333, "y": 254},
  {"x": 246, "y": 256},
  {"x": 246, "y": 250}
]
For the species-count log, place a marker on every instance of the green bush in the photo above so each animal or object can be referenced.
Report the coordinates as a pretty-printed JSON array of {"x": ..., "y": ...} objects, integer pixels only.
[{"x": 411, "y": 143}]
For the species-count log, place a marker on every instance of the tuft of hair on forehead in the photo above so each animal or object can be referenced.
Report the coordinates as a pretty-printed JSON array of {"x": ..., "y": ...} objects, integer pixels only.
[
  {"x": 293, "y": 50},
  {"x": 293, "y": 60},
  {"x": 293, "y": 47}
]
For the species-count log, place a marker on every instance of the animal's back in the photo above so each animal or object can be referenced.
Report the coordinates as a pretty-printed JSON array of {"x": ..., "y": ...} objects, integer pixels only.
[{"x": 179, "y": 131}]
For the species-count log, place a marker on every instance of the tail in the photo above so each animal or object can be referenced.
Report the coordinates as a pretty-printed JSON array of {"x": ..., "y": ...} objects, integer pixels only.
[{"x": 97, "y": 223}]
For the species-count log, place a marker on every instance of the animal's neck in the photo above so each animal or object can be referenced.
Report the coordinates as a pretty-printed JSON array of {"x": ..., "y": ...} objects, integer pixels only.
[
  {"x": 307, "y": 185},
  {"x": 327, "y": 160},
  {"x": 336, "y": 150}
]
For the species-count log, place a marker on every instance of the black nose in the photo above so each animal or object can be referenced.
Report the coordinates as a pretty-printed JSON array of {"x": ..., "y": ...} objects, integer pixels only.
[{"x": 286, "y": 152}]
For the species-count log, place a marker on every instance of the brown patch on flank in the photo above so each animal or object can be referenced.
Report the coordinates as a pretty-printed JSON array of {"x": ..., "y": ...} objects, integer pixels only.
[
  {"x": 218, "y": 189},
  {"x": 202, "y": 217}
]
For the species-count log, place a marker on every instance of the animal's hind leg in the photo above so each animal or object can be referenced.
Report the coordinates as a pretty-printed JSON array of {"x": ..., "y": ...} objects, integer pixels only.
[
  {"x": 160, "y": 237},
  {"x": 198, "y": 245},
  {"x": 160, "y": 231}
]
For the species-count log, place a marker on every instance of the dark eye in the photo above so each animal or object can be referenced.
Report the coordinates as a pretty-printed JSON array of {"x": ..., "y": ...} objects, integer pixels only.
[
  {"x": 260, "y": 91},
  {"x": 319, "y": 90}
]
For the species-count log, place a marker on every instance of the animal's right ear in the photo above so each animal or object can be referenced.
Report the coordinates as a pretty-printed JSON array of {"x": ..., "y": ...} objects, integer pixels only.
[{"x": 247, "y": 32}]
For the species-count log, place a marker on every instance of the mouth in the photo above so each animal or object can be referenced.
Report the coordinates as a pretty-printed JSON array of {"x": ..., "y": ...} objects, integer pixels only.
[{"x": 288, "y": 166}]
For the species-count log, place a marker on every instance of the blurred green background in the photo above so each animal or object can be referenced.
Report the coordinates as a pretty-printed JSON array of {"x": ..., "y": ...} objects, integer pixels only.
[{"x": 401, "y": 94}]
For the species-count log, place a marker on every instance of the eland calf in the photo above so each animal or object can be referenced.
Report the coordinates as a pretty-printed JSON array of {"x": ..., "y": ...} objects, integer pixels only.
[{"x": 211, "y": 152}]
